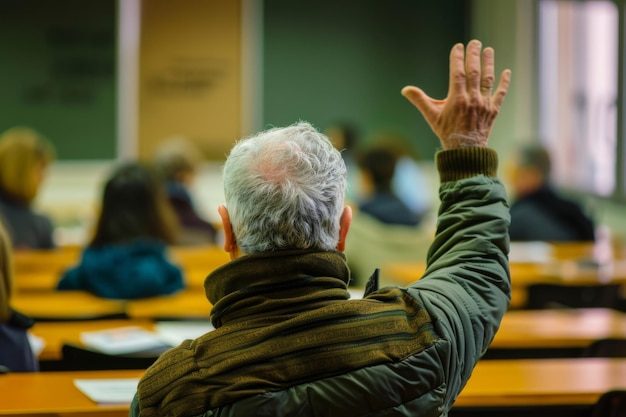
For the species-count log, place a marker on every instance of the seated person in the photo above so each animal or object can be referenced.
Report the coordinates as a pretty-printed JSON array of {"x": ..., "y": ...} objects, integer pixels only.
[
  {"x": 177, "y": 159},
  {"x": 127, "y": 256},
  {"x": 384, "y": 229},
  {"x": 24, "y": 157},
  {"x": 538, "y": 211},
  {"x": 288, "y": 341},
  {"x": 377, "y": 166},
  {"x": 16, "y": 354}
]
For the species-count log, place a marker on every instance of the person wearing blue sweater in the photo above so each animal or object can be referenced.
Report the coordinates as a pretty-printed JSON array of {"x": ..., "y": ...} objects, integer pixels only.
[{"x": 127, "y": 257}]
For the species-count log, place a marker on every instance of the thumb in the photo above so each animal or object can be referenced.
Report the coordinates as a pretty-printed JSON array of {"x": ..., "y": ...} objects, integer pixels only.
[{"x": 419, "y": 99}]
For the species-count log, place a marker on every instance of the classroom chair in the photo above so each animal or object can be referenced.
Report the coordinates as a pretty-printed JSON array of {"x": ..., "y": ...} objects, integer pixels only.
[
  {"x": 606, "y": 348},
  {"x": 78, "y": 358},
  {"x": 610, "y": 404},
  {"x": 542, "y": 296}
]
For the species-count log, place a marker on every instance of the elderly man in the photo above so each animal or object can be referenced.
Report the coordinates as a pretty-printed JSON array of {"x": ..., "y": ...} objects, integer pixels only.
[{"x": 288, "y": 341}]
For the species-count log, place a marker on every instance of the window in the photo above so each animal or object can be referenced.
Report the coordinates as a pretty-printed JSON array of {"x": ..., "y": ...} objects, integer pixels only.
[{"x": 578, "y": 68}]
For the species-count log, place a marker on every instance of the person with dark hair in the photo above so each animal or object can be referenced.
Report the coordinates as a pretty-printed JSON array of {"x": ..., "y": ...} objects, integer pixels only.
[
  {"x": 288, "y": 340},
  {"x": 24, "y": 158},
  {"x": 177, "y": 159},
  {"x": 538, "y": 212},
  {"x": 377, "y": 167},
  {"x": 127, "y": 256},
  {"x": 345, "y": 137}
]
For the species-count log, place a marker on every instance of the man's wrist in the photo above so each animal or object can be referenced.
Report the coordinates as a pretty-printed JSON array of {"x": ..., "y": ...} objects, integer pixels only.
[{"x": 464, "y": 140}]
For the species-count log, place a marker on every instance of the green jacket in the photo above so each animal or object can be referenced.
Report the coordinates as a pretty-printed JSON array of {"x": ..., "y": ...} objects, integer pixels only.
[{"x": 288, "y": 342}]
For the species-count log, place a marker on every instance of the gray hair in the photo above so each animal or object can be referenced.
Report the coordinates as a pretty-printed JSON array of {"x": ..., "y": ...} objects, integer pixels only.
[{"x": 285, "y": 189}]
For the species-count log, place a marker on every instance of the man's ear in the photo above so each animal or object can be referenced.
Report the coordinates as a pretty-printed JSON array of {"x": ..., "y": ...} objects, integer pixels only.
[
  {"x": 344, "y": 225},
  {"x": 230, "y": 242}
]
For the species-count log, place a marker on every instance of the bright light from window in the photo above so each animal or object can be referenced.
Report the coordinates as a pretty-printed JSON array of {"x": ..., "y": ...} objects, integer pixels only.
[{"x": 578, "y": 92}]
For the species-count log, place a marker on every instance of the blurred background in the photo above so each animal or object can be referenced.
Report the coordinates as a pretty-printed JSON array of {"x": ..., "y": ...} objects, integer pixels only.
[{"x": 111, "y": 80}]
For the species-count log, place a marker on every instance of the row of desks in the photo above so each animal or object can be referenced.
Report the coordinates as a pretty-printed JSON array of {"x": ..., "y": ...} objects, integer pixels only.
[
  {"x": 81, "y": 305},
  {"x": 40, "y": 270},
  {"x": 559, "y": 329},
  {"x": 564, "y": 263},
  {"x": 510, "y": 383}
]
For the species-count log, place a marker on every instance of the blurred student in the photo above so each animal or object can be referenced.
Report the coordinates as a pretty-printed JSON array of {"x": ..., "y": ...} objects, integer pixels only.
[
  {"x": 379, "y": 200},
  {"x": 538, "y": 211},
  {"x": 345, "y": 138},
  {"x": 178, "y": 160},
  {"x": 24, "y": 157},
  {"x": 126, "y": 258},
  {"x": 16, "y": 354},
  {"x": 384, "y": 229}
]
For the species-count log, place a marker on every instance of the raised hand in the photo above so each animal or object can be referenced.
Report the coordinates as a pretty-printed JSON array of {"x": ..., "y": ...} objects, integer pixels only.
[{"x": 465, "y": 117}]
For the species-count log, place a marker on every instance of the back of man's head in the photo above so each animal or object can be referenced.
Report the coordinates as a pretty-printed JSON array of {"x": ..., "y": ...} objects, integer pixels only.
[{"x": 285, "y": 189}]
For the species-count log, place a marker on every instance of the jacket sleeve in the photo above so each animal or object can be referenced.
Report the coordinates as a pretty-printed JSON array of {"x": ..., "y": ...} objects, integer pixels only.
[{"x": 466, "y": 287}]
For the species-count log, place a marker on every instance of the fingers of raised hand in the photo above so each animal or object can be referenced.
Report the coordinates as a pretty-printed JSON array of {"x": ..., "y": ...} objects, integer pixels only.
[
  {"x": 472, "y": 68},
  {"x": 487, "y": 77},
  {"x": 503, "y": 87},
  {"x": 457, "y": 70}
]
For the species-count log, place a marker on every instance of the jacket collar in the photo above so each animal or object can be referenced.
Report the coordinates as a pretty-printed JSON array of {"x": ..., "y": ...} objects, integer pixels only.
[{"x": 276, "y": 285}]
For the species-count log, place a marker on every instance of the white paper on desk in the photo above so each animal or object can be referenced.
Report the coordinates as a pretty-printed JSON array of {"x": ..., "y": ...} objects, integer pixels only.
[
  {"x": 108, "y": 391},
  {"x": 36, "y": 344},
  {"x": 123, "y": 340},
  {"x": 175, "y": 332},
  {"x": 531, "y": 252}
]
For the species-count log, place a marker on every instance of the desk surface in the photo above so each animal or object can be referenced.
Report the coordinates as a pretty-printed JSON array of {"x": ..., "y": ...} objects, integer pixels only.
[
  {"x": 493, "y": 383},
  {"x": 521, "y": 382},
  {"x": 55, "y": 333},
  {"x": 48, "y": 393},
  {"x": 79, "y": 305},
  {"x": 566, "y": 328},
  {"x": 63, "y": 305},
  {"x": 40, "y": 270}
]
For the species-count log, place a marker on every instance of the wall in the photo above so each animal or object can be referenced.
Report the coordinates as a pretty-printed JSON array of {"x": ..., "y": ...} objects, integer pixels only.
[
  {"x": 327, "y": 61},
  {"x": 312, "y": 70}
]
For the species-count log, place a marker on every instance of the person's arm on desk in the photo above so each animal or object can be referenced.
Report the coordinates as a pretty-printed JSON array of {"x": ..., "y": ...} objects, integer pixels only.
[{"x": 466, "y": 287}]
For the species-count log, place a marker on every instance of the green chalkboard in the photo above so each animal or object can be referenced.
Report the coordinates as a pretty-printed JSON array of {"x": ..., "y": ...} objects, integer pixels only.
[{"x": 58, "y": 73}]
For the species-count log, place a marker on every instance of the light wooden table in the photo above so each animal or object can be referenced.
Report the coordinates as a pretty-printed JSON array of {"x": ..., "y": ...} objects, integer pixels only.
[
  {"x": 64, "y": 305},
  {"x": 528, "y": 382},
  {"x": 79, "y": 305},
  {"x": 566, "y": 328},
  {"x": 563, "y": 264},
  {"x": 508, "y": 383},
  {"x": 189, "y": 304},
  {"x": 48, "y": 394},
  {"x": 56, "y": 333}
]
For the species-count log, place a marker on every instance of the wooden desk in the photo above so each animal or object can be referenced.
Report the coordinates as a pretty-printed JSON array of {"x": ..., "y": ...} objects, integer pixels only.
[
  {"x": 522, "y": 382},
  {"x": 54, "y": 394},
  {"x": 507, "y": 383},
  {"x": 66, "y": 305},
  {"x": 567, "y": 328},
  {"x": 563, "y": 264},
  {"x": 55, "y": 333},
  {"x": 80, "y": 305},
  {"x": 189, "y": 304},
  {"x": 40, "y": 270}
]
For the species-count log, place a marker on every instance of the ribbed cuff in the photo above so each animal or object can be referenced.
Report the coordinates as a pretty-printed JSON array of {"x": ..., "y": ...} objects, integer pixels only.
[{"x": 456, "y": 164}]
